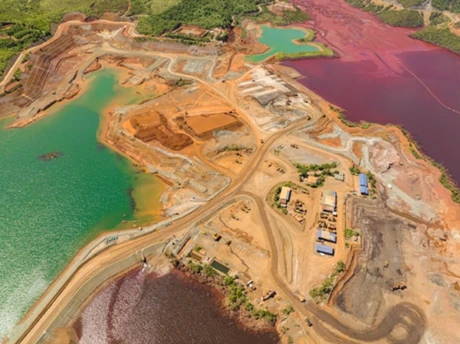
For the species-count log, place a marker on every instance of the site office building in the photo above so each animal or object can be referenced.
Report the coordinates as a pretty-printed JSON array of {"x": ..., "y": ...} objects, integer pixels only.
[
  {"x": 329, "y": 201},
  {"x": 285, "y": 196}
]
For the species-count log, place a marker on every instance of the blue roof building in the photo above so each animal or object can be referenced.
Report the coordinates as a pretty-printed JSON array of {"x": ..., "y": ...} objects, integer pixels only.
[
  {"x": 324, "y": 249},
  {"x": 363, "y": 180}
]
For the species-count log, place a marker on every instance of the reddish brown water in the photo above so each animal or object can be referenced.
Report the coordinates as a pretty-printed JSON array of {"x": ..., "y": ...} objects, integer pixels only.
[
  {"x": 384, "y": 76},
  {"x": 142, "y": 308}
]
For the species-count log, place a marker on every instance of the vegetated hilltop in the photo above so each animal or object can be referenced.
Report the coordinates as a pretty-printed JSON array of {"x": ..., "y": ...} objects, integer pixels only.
[
  {"x": 204, "y": 13},
  {"x": 443, "y": 37},
  {"x": 24, "y": 22},
  {"x": 389, "y": 14},
  {"x": 207, "y": 14},
  {"x": 439, "y": 29}
]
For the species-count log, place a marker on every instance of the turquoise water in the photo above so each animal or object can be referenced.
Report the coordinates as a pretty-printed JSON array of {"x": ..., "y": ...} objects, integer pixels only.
[
  {"x": 280, "y": 41},
  {"x": 50, "y": 209}
]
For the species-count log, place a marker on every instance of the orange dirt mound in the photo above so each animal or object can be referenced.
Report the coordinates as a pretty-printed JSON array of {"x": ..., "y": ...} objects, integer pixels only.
[{"x": 152, "y": 126}]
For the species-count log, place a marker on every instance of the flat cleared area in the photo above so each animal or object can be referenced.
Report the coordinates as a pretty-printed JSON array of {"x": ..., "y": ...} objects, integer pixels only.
[
  {"x": 205, "y": 123},
  {"x": 366, "y": 294}
]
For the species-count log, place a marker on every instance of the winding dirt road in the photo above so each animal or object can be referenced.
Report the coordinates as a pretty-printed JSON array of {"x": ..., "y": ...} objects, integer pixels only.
[
  {"x": 326, "y": 325},
  {"x": 405, "y": 315}
]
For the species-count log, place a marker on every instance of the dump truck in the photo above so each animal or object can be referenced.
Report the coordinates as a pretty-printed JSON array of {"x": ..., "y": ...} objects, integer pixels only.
[
  {"x": 398, "y": 286},
  {"x": 268, "y": 295}
]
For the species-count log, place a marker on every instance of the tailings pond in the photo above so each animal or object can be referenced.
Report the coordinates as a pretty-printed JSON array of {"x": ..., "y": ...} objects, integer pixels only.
[
  {"x": 59, "y": 188},
  {"x": 143, "y": 308},
  {"x": 384, "y": 76},
  {"x": 281, "y": 41}
]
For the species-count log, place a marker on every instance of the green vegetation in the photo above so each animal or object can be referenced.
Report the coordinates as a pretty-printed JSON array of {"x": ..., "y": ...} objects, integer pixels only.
[
  {"x": 237, "y": 299},
  {"x": 437, "y": 18},
  {"x": 288, "y": 310},
  {"x": 160, "y": 6},
  {"x": 319, "y": 171},
  {"x": 324, "y": 52},
  {"x": 234, "y": 148},
  {"x": 198, "y": 248},
  {"x": 447, "y": 5},
  {"x": 340, "y": 267},
  {"x": 189, "y": 40},
  {"x": 365, "y": 125},
  {"x": 442, "y": 37},
  {"x": 342, "y": 117},
  {"x": 415, "y": 152},
  {"x": 204, "y": 13},
  {"x": 410, "y": 3},
  {"x": 197, "y": 268},
  {"x": 349, "y": 233},
  {"x": 355, "y": 170},
  {"x": 390, "y": 16},
  {"x": 310, "y": 36},
  {"x": 447, "y": 182},
  {"x": 32, "y": 20},
  {"x": 288, "y": 17},
  {"x": 209, "y": 270},
  {"x": 444, "y": 179},
  {"x": 404, "y": 18},
  {"x": 181, "y": 82},
  {"x": 17, "y": 75},
  {"x": 322, "y": 292},
  {"x": 371, "y": 179}
]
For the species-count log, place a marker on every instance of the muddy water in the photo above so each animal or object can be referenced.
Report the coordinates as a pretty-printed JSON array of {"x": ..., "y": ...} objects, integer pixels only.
[
  {"x": 144, "y": 308},
  {"x": 384, "y": 76}
]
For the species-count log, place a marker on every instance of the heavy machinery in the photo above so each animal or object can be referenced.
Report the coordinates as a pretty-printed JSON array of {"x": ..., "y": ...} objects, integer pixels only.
[
  {"x": 398, "y": 286},
  {"x": 268, "y": 295}
]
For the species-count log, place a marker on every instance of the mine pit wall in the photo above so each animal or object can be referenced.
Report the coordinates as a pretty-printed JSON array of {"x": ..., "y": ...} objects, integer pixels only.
[
  {"x": 207, "y": 135},
  {"x": 98, "y": 282}
]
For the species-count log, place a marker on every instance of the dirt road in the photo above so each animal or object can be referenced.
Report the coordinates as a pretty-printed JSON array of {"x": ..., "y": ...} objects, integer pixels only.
[
  {"x": 326, "y": 325},
  {"x": 405, "y": 315}
]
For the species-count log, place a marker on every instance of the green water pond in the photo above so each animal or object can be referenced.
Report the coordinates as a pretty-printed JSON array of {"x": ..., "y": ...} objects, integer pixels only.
[{"x": 280, "y": 40}]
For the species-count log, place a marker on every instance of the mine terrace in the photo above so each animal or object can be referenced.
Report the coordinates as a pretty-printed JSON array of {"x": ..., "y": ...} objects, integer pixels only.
[{"x": 341, "y": 232}]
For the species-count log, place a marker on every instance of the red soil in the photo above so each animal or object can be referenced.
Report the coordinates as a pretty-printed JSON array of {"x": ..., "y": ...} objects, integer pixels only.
[
  {"x": 385, "y": 76},
  {"x": 357, "y": 35}
]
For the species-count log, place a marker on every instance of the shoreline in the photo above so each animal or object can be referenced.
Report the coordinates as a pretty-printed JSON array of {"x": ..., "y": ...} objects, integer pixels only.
[
  {"x": 449, "y": 183},
  {"x": 212, "y": 285},
  {"x": 103, "y": 139},
  {"x": 241, "y": 316},
  {"x": 322, "y": 52},
  {"x": 154, "y": 206}
]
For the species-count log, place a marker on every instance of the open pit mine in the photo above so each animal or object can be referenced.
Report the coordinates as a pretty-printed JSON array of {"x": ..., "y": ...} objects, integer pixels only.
[{"x": 271, "y": 210}]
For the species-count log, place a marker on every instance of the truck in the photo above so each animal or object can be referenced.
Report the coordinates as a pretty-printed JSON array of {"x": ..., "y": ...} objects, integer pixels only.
[
  {"x": 308, "y": 322},
  {"x": 268, "y": 295}
]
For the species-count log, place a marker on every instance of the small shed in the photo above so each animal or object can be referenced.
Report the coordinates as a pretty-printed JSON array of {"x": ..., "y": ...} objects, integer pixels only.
[
  {"x": 285, "y": 195},
  {"x": 325, "y": 235},
  {"x": 320, "y": 248},
  {"x": 363, "y": 180}
]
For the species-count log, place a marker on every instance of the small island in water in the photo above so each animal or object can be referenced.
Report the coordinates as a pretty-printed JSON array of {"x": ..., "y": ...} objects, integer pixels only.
[{"x": 50, "y": 156}]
